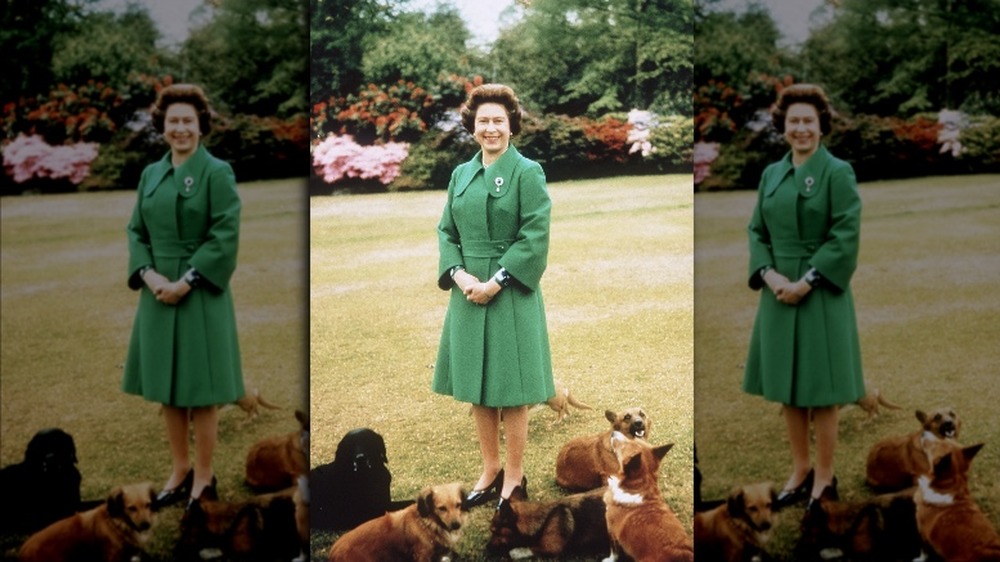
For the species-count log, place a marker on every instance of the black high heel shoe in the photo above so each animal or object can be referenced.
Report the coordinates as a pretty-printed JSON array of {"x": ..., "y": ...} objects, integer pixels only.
[
  {"x": 491, "y": 492},
  {"x": 829, "y": 492},
  {"x": 209, "y": 492},
  {"x": 798, "y": 494},
  {"x": 177, "y": 494},
  {"x": 523, "y": 487}
]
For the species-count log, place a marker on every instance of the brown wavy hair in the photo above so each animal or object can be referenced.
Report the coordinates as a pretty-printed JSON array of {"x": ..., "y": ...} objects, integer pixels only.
[
  {"x": 183, "y": 93},
  {"x": 492, "y": 93},
  {"x": 803, "y": 93}
]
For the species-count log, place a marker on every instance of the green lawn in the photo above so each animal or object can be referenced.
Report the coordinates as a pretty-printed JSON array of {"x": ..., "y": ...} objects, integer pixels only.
[
  {"x": 66, "y": 319},
  {"x": 618, "y": 294},
  {"x": 929, "y": 319}
]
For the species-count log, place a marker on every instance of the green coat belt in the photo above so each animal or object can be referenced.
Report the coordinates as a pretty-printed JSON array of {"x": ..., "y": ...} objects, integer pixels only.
[
  {"x": 186, "y": 354},
  {"x": 806, "y": 217},
  {"x": 497, "y": 354}
]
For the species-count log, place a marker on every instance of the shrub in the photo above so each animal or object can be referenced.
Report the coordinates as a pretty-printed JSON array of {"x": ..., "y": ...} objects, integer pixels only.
[
  {"x": 672, "y": 141},
  {"x": 981, "y": 144},
  {"x": 432, "y": 159},
  {"x": 29, "y": 158},
  {"x": 339, "y": 157},
  {"x": 261, "y": 147}
]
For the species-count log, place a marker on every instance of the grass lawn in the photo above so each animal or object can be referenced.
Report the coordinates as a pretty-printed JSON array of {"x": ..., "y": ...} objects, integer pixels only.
[
  {"x": 929, "y": 320},
  {"x": 618, "y": 294},
  {"x": 67, "y": 315}
]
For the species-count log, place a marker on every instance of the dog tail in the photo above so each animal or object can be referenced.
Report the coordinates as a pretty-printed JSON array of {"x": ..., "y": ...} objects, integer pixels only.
[
  {"x": 882, "y": 400},
  {"x": 265, "y": 403},
  {"x": 574, "y": 402}
]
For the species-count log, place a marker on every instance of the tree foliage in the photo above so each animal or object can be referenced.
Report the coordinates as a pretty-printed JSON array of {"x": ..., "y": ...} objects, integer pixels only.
[
  {"x": 734, "y": 48},
  {"x": 420, "y": 48},
  {"x": 250, "y": 56},
  {"x": 107, "y": 48},
  {"x": 902, "y": 57},
  {"x": 586, "y": 57}
]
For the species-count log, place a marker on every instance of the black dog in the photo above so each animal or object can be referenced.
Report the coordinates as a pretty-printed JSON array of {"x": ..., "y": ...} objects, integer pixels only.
[
  {"x": 355, "y": 486},
  {"x": 42, "y": 489}
]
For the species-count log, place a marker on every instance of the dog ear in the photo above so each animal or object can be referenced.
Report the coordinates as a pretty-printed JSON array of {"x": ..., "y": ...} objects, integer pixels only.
[
  {"x": 970, "y": 452},
  {"x": 116, "y": 502},
  {"x": 921, "y": 416},
  {"x": 632, "y": 465},
  {"x": 612, "y": 417},
  {"x": 661, "y": 451},
  {"x": 425, "y": 502},
  {"x": 736, "y": 503}
]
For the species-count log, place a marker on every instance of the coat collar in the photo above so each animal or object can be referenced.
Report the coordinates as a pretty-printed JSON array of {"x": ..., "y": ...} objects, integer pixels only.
[
  {"x": 498, "y": 175},
  {"x": 806, "y": 174},
  {"x": 188, "y": 174}
]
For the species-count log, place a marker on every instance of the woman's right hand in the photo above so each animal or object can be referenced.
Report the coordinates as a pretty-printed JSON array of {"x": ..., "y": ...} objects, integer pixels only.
[
  {"x": 775, "y": 281},
  {"x": 463, "y": 279},
  {"x": 154, "y": 280}
]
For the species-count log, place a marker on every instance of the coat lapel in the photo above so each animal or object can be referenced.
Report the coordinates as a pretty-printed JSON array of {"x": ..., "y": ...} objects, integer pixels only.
[
  {"x": 807, "y": 176},
  {"x": 190, "y": 175},
  {"x": 467, "y": 172},
  {"x": 500, "y": 175},
  {"x": 157, "y": 175}
]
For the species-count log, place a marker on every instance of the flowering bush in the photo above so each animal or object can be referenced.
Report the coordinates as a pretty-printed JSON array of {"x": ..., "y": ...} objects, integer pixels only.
[
  {"x": 29, "y": 157},
  {"x": 704, "y": 154},
  {"x": 339, "y": 157}
]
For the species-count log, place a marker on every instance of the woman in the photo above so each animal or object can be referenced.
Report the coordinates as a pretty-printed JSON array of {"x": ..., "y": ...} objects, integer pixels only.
[
  {"x": 494, "y": 240},
  {"x": 804, "y": 233},
  {"x": 183, "y": 238}
]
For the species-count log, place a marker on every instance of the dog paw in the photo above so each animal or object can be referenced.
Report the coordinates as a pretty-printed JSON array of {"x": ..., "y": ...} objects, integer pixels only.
[{"x": 520, "y": 553}]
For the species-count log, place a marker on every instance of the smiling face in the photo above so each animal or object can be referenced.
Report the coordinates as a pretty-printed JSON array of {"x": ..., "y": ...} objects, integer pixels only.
[
  {"x": 492, "y": 130},
  {"x": 181, "y": 129},
  {"x": 802, "y": 130}
]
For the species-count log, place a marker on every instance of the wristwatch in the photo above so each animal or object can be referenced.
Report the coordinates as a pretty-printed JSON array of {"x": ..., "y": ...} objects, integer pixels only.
[
  {"x": 502, "y": 277},
  {"x": 192, "y": 277},
  {"x": 813, "y": 278}
]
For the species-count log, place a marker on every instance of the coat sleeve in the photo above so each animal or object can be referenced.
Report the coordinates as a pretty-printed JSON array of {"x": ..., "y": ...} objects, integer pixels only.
[
  {"x": 140, "y": 253},
  {"x": 760, "y": 241},
  {"x": 527, "y": 257},
  {"x": 215, "y": 258},
  {"x": 837, "y": 258},
  {"x": 449, "y": 244}
]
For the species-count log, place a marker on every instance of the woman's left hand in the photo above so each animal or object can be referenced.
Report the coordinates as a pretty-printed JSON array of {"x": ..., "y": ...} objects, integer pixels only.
[
  {"x": 172, "y": 293},
  {"x": 793, "y": 293},
  {"x": 481, "y": 293}
]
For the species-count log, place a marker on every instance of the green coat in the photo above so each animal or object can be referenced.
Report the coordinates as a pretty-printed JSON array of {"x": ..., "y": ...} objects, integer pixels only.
[
  {"x": 806, "y": 355},
  {"x": 187, "y": 354},
  {"x": 498, "y": 354}
]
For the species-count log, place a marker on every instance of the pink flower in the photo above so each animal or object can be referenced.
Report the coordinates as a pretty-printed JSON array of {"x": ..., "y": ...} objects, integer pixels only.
[
  {"x": 30, "y": 156},
  {"x": 338, "y": 157},
  {"x": 704, "y": 154}
]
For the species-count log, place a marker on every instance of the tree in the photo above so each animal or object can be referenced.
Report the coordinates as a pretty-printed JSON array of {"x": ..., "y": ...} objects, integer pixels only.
[
  {"x": 419, "y": 48},
  {"x": 108, "y": 48},
  {"x": 29, "y": 33},
  {"x": 337, "y": 34},
  {"x": 901, "y": 57},
  {"x": 586, "y": 57},
  {"x": 734, "y": 48},
  {"x": 249, "y": 56}
]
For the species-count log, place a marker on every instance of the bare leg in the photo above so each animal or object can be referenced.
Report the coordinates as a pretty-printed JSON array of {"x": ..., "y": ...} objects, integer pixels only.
[
  {"x": 206, "y": 431},
  {"x": 177, "y": 436},
  {"x": 515, "y": 429},
  {"x": 826, "y": 424},
  {"x": 488, "y": 431},
  {"x": 797, "y": 424}
]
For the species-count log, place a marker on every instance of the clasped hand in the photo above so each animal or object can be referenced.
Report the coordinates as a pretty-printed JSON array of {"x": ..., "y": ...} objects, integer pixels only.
[
  {"x": 787, "y": 292},
  {"x": 475, "y": 291},
  {"x": 164, "y": 290}
]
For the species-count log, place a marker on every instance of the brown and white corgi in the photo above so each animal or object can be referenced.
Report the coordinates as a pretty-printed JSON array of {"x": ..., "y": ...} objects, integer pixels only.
[
  {"x": 950, "y": 523},
  {"x": 641, "y": 524}
]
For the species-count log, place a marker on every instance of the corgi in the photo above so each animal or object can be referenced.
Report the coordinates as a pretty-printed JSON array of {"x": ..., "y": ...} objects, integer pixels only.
[
  {"x": 895, "y": 462},
  {"x": 640, "y": 523},
  {"x": 739, "y": 529},
  {"x": 950, "y": 523}
]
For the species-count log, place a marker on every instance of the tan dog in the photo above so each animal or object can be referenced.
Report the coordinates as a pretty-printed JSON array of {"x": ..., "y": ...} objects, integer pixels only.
[
  {"x": 895, "y": 462},
  {"x": 739, "y": 529},
  {"x": 570, "y": 525},
  {"x": 872, "y": 399},
  {"x": 274, "y": 463},
  {"x": 951, "y": 525},
  {"x": 115, "y": 531},
  {"x": 423, "y": 532},
  {"x": 561, "y": 402},
  {"x": 584, "y": 463},
  {"x": 640, "y": 523},
  {"x": 251, "y": 403}
]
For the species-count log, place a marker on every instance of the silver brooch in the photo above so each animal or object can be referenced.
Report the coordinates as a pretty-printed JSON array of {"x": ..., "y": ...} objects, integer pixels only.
[
  {"x": 809, "y": 183},
  {"x": 188, "y": 182},
  {"x": 498, "y": 181}
]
